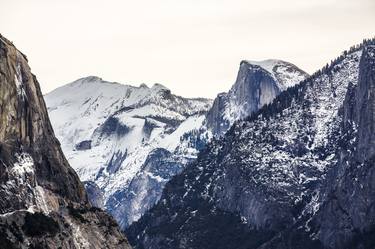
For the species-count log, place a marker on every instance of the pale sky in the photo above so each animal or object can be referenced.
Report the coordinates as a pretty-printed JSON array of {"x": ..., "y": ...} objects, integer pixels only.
[{"x": 193, "y": 47}]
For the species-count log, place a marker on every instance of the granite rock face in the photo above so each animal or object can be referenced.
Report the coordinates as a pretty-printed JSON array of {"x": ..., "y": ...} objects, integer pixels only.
[
  {"x": 365, "y": 106},
  {"x": 298, "y": 173},
  {"x": 43, "y": 204},
  {"x": 257, "y": 84}
]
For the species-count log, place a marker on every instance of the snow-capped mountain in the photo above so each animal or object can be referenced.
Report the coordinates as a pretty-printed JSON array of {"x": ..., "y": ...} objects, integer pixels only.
[
  {"x": 125, "y": 142},
  {"x": 43, "y": 204},
  {"x": 296, "y": 174},
  {"x": 257, "y": 84}
]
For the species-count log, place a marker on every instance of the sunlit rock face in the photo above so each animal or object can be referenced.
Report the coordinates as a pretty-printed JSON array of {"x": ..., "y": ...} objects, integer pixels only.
[{"x": 43, "y": 204}]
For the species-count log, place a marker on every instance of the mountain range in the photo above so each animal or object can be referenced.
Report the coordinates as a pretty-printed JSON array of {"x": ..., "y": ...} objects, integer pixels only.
[
  {"x": 282, "y": 160},
  {"x": 126, "y": 142}
]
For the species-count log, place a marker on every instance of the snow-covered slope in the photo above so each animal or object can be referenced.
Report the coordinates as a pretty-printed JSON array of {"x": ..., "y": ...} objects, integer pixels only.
[
  {"x": 108, "y": 130},
  {"x": 257, "y": 84},
  {"x": 264, "y": 183}
]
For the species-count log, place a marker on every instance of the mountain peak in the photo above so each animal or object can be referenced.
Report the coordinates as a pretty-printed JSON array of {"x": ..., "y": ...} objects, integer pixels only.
[
  {"x": 158, "y": 87},
  {"x": 89, "y": 79},
  {"x": 257, "y": 84},
  {"x": 285, "y": 73},
  {"x": 267, "y": 64}
]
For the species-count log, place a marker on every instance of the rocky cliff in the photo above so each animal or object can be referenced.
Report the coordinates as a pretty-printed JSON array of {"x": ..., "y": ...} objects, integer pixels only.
[
  {"x": 43, "y": 204},
  {"x": 257, "y": 84},
  {"x": 346, "y": 217}
]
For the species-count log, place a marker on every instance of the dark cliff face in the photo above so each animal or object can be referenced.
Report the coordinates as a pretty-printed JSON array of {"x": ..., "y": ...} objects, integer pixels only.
[
  {"x": 296, "y": 174},
  {"x": 214, "y": 118},
  {"x": 346, "y": 218},
  {"x": 366, "y": 106},
  {"x": 43, "y": 204}
]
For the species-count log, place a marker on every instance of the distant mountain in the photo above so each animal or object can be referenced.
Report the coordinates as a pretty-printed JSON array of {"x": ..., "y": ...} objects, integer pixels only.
[
  {"x": 42, "y": 202},
  {"x": 125, "y": 142},
  {"x": 257, "y": 84},
  {"x": 298, "y": 173}
]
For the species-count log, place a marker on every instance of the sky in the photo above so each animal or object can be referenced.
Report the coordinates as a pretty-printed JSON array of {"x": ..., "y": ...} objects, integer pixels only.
[{"x": 193, "y": 47}]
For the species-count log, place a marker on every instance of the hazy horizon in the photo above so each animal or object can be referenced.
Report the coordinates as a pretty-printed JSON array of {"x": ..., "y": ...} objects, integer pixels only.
[{"x": 192, "y": 47}]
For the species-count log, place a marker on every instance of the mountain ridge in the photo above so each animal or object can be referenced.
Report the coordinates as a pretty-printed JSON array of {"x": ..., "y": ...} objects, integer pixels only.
[
  {"x": 259, "y": 185},
  {"x": 181, "y": 135}
]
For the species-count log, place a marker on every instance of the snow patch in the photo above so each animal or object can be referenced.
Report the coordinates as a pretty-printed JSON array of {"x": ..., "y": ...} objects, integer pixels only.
[{"x": 23, "y": 166}]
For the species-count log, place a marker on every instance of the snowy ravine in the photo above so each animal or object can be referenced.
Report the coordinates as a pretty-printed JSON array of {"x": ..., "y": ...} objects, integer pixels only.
[
  {"x": 299, "y": 173},
  {"x": 126, "y": 142}
]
